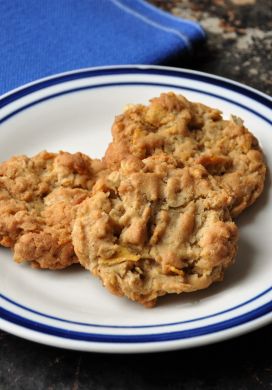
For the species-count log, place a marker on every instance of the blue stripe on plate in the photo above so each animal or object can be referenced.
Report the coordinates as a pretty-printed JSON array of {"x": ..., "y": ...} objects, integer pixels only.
[
  {"x": 105, "y": 85},
  {"x": 135, "y": 326},
  {"x": 205, "y": 77},
  {"x": 137, "y": 338}
]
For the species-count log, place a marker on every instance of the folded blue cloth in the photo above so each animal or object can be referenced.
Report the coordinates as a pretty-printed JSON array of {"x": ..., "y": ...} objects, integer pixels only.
[{"x": 42, "y": 37}]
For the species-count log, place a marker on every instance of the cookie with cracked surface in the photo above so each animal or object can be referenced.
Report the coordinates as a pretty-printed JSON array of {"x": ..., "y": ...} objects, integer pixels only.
[
  {"x": 152, "y": 228},
  {"x": 38, "y": 197},
  {"x": 193, "y": 133}
]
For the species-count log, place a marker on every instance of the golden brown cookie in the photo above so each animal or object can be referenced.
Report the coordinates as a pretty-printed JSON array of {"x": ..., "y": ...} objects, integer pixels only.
[
  {"x": 38, "y": 197},
  {"x": 152, "y": 228},
  {"x": 193, "y": 133}
]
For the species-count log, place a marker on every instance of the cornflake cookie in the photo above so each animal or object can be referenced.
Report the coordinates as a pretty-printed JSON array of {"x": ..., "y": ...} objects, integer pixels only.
[
  {"x": 152, "y": 228},
  {"x": 38, "y": 197},
  {"x": 193, "y": 133}
]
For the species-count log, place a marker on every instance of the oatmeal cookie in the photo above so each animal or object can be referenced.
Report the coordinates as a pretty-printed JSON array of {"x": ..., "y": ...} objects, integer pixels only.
[
  {"x": 152, "y": 228},
  {"x": 193, "y": 133},
  {"x": 38, "y": 197}
]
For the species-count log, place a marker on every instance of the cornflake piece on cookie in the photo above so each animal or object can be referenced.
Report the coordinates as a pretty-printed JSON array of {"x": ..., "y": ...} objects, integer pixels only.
[
  {"x": 38, "y": 198},
  {"x": 193, "y": 133},
  {"x": 153, "y": 228}
]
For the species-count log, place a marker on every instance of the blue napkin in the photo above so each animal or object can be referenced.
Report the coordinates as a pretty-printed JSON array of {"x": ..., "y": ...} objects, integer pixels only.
[{"x": 42, "y": 37}]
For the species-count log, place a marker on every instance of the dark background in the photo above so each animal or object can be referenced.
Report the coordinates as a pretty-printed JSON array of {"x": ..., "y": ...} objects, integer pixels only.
[
  {"x": 239, "y": 364},
  {"x": 239, "y": 46}
]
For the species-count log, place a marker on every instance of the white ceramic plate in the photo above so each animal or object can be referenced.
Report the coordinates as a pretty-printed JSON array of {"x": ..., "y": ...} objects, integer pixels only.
[{"x": 74, "y": 112}]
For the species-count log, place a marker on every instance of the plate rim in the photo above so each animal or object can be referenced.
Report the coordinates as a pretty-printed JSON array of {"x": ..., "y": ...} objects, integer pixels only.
[
  {"x": 109, "y": 348},
  {"x": 29, "y": 88},
  {"x": 140, "y": 67}
]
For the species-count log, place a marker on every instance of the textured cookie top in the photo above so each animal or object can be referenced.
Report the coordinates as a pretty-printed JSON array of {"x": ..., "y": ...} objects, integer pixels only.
[
  {"x": 37, "y": 200},
  {"x": 153, "y": 228},
  {"x": 192, "y": 133}
]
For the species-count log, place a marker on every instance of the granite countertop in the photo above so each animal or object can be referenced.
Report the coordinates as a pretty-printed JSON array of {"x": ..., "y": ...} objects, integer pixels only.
[
  {"x": 239, "y": 46},
  {"x": 239, "y": 38}
]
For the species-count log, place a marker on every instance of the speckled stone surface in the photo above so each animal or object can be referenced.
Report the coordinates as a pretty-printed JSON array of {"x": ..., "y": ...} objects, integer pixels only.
[
  {"x": 239, "y": 38},
  {"x": 239, "y": 46}
]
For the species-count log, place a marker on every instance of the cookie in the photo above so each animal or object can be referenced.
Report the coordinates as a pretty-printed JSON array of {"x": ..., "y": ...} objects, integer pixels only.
[
  {"x": 38, "y": 197},
  {"x": 193, "y": 133},
  {"x": 152, "y": 228}
]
